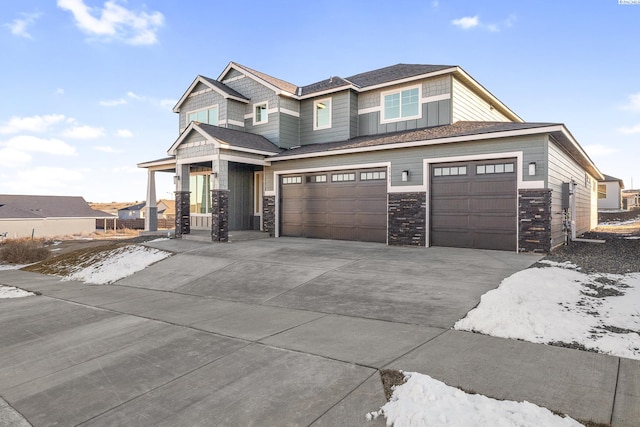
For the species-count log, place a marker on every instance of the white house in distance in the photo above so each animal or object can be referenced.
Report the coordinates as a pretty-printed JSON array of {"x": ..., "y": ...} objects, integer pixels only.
[
  {"x": 610, "y": 193},
  {"x": 46, "y": 216},
  {"x": 409, "y": 154}
]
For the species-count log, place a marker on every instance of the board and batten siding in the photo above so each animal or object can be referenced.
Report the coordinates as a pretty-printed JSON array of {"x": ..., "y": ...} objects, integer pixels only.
[
  {"x": 340, "y": 120},
  {"x": 433, "y": 114},
  {"x": 411, "y": 159},
  {"x": 468, "y": 106},
  {"x": 562, "y": 168}
]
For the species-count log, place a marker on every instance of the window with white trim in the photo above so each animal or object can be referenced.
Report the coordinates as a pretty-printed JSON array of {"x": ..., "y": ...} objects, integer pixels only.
[
  {"x": 343, "y": 177},
  {"x": 401, "y": 105},
  {"x": 260, "y": 114},
  {"x": 316, "y": 178},
  {"x": 373, "y": 176},
  {"x": 292, "y": 180},
  {"x": 494, "y": 168},
  {"x": 207, "y": 115},
  {"x": 450, "y": 171},
  {"x": 322, "y": 114}
]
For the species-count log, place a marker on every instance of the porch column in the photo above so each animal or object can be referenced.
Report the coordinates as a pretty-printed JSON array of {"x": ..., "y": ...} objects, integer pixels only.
[
  {"x": 183, "y": 202},
  {"x": 151, "y": 209},
  {"x": 220, "y": 201}
]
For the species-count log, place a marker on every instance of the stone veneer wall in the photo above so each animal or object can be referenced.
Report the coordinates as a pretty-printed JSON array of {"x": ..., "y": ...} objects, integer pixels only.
[
  {"x": 534, "y": 217},
  {"x": 183, "y": 218},
  {"x": 269, "y": 215},
  {"x": 407, "y": 219},
  {"x": 220, "y": 215}
]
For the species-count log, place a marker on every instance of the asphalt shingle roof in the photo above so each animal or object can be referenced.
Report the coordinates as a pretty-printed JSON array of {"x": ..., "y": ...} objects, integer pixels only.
[
  {"x": 238, "y": 138},
  {"x": 223, "y": 87},
  {"x": 280, "y": 84},
  {"x": 393, "y": 72},
  {"x": 22, "y": 206},
  {"x": 447, "y": 131}
]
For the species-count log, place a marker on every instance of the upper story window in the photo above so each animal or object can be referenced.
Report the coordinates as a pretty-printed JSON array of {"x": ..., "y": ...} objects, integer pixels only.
[
  {"x": 602, "y": 191},
  {"x": 401, "y": 104},
  {"x": 260, "y": 114},
  {"x": 207, "y": 115},
  {"x": 322, "y": 114}
]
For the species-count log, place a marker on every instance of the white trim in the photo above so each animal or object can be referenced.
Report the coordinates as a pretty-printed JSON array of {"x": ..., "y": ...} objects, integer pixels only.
[
  {"x": 240, "y": 159},
  {"x": 384, "y": 120},
  {"x": 231, "y": 122},
  {"x": 370, "y": 110},
  {"x": 266, "y": 111},
  {"x": 435, "y": 98},
  {"x": 233, "y": 79},
  {"x": 258, "y": 194},
  {"x": 315, "y": 113},
  {"x": 329, "y": 91},
  {"x": 198, "y": 92},
  {"x": 407, "y": 189},
  {"x": 426, "y": 142},
  {"x": 198, "y": 159},
  {"x": 289, "y": 112},
  {"x": 210, "y": 107}
]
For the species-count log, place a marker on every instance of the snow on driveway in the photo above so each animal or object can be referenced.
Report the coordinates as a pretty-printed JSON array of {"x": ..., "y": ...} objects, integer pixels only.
[{"x": 560, "y": 304}]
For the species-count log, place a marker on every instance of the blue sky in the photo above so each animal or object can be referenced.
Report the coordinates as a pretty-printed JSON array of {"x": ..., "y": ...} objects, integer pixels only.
[{"x": 87, "y": 86}]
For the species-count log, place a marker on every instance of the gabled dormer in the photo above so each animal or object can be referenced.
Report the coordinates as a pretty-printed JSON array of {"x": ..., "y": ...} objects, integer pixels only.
[{"x": 211, "y": 102}]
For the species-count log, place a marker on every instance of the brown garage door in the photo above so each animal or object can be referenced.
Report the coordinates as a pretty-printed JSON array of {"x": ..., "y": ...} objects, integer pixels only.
[
  {"x": 474, "y": 204},
  {"x": 341, "y": 205}
]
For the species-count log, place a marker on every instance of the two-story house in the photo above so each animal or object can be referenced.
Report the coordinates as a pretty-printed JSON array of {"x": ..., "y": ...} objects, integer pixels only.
[{"x": 404, "y": 155}]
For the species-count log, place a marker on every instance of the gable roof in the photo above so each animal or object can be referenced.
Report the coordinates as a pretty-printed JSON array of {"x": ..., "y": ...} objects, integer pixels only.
[
  {"x": 274, "y": 82},
  {"x": 215, "y": 85},
  {"x": 135, "y": 207},
  {"x": 609, "y": 178},
  {"x": 457, "y": 132},
  {"x": 24, "y": 206},
  {"x": 235, "y": 139},
  {"x": 394, "y": 73}
]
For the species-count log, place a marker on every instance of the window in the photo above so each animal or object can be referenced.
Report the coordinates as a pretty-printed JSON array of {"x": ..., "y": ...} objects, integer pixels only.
[
  {"x": 200, "y": 187},
  {"x": 207, "y": 115},
  {"x": 343, "y": 177},
  {"x": 260, "y": 113},
  {"x": 292, "y": 180},
  {"x": 602, "y": 191},
  {"x": 401, "y": 105},
  {"x": 450, "y": 171},
  {"x": 494, "y": 168},
  {"x": 317, "y": 178},
  {"x": 322, "y": 114},
  {"x": 373, "y": 176}
]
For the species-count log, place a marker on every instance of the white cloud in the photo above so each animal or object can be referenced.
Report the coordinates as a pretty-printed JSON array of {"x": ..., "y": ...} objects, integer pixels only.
[
  {"x": 18, "y": 26},
  {"x": 84, "y": 132},
  {"x": 124, "y": 133},
  {"x": 113, "y": 102},
  {"x": 29, "y": 143},
  {"x": 510, "y": 21},
  {"x": 107, "y": 149},
  {"x": 114, "y": 22},
  {"x": 46, "y": 180},
  {"x": 59, "y": 91},
  {"x": 633, "y": 104},
  {"x": 13, "y": 158},
  {"x": 466, "y": 22},
  {"x": 167, "y": 103},
  {"x": 435, "y": 4},
  {"x": 630, "y": 130},
  {"x": 599, "y": 150},
  {"x": 31, "y": 124},
  {"x": 134, "y": 96}
]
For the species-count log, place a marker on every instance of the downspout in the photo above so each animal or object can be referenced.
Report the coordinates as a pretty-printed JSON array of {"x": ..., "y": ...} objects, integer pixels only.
[{"x": 572, "y": 223}]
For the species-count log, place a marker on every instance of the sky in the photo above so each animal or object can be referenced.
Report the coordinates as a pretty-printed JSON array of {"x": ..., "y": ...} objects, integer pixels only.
[{"x": 88, "y": 86}]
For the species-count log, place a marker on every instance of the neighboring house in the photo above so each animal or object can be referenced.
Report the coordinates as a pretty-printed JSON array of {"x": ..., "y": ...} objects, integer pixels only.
[
  {"x": 405, "y": 155},
  {"x": 610, "y": 193},
  {"x": 166, "y": 210},
  {"x": 46, "y": 216},
  {"x": 631, "y": 199}
]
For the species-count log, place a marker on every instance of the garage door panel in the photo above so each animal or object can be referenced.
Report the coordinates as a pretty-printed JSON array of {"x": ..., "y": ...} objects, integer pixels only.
[
  {"x": 474, "y": 210},
  {"x": 351, "y": 210}
]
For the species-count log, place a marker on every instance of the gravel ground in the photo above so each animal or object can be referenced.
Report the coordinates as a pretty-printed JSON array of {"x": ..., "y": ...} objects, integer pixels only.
[{"x": 620, "y": 254}]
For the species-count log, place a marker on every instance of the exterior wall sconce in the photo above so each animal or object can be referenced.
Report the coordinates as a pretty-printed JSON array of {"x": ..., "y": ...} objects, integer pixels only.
[
  {"x": 176, "y": 179},
  {"x": 532, "y": 168},
  {"x": 214, "y": 174},
  {"x": 405, "y": 176}
]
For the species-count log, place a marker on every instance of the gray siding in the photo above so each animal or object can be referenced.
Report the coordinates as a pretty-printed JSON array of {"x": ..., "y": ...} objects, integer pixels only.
[
  {"x": 194, "y": 145},
  {"x": 200, "y": 101},
  {"x": 235, "y": 111},
  {"x": 411, "y": 159},
  {"x": 467, "y": 106},
  {"x": 340, "y": 120},
  {"x": 433, "y": 114},
  {"x": 289, "y": 131},
  {"x": 353, "y": 114},
  {"x": 563, "y": 168},
  {"x": 240, "y": 196}
]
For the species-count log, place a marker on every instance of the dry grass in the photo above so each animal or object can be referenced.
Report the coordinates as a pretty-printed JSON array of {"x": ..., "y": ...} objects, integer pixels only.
[{"x": 23, "y": 251}]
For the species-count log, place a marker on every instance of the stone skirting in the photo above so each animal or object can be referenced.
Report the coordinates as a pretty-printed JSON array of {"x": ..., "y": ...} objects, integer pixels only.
[
  {"x": 183, "y": 218},
  {"x": 407, "y": 219},
  {"x": 220, "y": 215},
  {"x": 534, "y": 218},
  {"x": 269, "y": 215}
]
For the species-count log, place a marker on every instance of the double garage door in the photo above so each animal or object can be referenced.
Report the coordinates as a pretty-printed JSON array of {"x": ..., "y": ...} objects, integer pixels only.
[
  {"x": 472, "y": 205},
  {"x": 341, "y": 205}
]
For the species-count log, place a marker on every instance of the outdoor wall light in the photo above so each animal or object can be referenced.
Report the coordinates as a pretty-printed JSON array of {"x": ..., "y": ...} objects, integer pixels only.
[
  {"x": 405, "y": 176},
  {"x": 214, "y": 174},
  {"x": 176, "y": 179},
  {"x": 532, "y": 168}
]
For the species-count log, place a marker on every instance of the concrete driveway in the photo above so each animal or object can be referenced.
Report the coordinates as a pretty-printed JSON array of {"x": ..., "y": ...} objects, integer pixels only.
[{"x": 278, "y": 332}]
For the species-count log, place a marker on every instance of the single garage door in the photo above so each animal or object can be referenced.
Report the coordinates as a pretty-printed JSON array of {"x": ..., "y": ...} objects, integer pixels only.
[
  {"x": 341, "y": 205},
  {"x": 474, "y": 204}
]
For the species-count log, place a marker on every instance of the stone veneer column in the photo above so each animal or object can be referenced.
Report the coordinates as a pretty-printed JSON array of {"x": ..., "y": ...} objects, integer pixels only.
[
  {"x": 183, "y": 219},
  {"x": 534, "y": 218},
  {"x": 269, "y": 215},
  {"x": 220, "y": 215},
  {"x": 407, "y": 213}
]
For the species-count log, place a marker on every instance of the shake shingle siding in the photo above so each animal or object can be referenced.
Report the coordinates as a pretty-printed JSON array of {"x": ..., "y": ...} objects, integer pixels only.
[{"x": 200, "y": 101}]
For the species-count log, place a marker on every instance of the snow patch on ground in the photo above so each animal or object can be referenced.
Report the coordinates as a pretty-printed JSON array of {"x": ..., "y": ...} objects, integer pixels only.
[
  {"x": 12, "y": 292},
  {"x": 559, "y": 304},
  {"x": 424, "y": 401},
  {"x": 108, "y": 267},
  {"x": 12, "y": 266}
]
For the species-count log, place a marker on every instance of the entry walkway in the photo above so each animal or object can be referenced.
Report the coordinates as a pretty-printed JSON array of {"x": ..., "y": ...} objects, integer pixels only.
[{"x": 280, "y": 331}]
